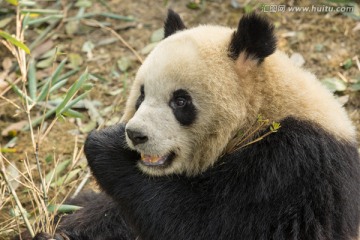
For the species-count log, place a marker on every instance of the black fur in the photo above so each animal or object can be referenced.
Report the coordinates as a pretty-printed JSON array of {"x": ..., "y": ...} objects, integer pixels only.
[
  {"x": 299, "y": 183},
  {"x": 99, "y": 219},
  {"x": 173, "y": 23},
  {"x": 140, "y": 98},
  {"x": 186, "y": 114},
  {"x": 254, "y": 36}
]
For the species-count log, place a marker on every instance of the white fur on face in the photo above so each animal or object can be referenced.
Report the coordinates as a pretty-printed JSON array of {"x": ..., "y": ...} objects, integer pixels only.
[
  {"x": 228, "y": 96},
  {"x": 178, "y": 63}
]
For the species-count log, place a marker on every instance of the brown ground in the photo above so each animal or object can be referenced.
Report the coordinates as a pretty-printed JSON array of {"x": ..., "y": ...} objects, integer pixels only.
[{"x": 297, "y": 32}]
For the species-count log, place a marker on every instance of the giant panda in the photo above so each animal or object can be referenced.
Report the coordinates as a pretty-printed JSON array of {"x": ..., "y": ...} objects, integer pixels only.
[{"x": 166, "y": 170}]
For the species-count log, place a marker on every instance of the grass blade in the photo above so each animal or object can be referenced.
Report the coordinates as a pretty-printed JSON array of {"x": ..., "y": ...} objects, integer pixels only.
[
  {"x": 14, "y": 41},
  {"x": 58, "y": 85},
  {"x": 40, "y": 11},
  {"x": 44, "y": 19},
  {"x": 32, "y": 82}
]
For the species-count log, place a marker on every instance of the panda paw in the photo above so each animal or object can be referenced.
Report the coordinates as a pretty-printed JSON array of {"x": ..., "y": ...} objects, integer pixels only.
[{"x": 46, "y": 236}]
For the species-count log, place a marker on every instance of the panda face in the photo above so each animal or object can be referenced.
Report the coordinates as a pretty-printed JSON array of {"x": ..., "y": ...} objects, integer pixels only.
[
  {"x": 184, "y": 104},
  {"x": 165, "y": 110}
]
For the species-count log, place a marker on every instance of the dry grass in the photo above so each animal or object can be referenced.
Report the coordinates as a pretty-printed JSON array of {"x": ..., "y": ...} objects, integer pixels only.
[{"x": 35, "y": 209}]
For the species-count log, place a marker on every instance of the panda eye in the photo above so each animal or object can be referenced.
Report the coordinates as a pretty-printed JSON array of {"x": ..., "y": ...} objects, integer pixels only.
[
  {"x": 180, "y": 99},
  {"x": 140, "y": 98},
  {"x": 180, "y": 102},
  {"x": 183, "y": 108}
]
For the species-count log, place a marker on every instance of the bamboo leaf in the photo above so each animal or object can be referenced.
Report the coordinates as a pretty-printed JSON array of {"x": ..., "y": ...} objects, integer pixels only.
[
  {"x": 73, "y": 102},
  {"x": 73, "y": 114},
  {"x": 40, "y": 11},
  {"x": 51, "y": 81},
  {"x": 19, "y": 92},
  {"x": 14, "y": 41},
  {"x": 63, "y": 208},
  {"x": 32, "y": 82},
  {"x": 45, "y": 19},
  {"x": 71, "y": 92},
  {"x": 58, "y": 85}
]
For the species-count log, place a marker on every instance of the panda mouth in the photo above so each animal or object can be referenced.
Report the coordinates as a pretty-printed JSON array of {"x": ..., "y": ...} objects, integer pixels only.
[{"x": 157, "y": 161}]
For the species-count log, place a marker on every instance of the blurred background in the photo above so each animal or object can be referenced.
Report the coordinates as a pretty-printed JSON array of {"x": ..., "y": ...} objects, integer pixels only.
[{"x": 66, "y": 68}]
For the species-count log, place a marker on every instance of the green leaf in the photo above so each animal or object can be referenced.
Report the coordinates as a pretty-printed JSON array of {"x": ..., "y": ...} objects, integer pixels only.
[
  {"x": 62, "y": 208},
  {"x": 13, "y": 2},
  {"x": 49, "y": 158},
  {"x": 71, "y": 92},
  {"x": 14, "y": 41},
  {"x": 347, "y": 64},
  {"x": 118, "y": 17},
  {"x": 20, "y": 93},
  {"x": 32, "y": 82},
  {"x": 45, "y": 63},
  {"x": 44, "y": 19},
  {"x": 87, "y": 86},
  {"x": 58, "y": 70},
  {"x": 73, "y": 102},
  {"x": 58, "y": 85},
  {"x": 83, "y": 3},
  {"x": 334, "y": 84},
  {"x": 5, "y": 21},
  {"x": 41, "y": 11},
  {"x": 73, "y": 114},
  {"x": 51, "y": 81}
]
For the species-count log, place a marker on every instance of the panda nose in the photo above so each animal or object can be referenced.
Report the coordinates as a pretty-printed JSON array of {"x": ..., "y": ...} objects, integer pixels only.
[{"x": 136, "y": 137}]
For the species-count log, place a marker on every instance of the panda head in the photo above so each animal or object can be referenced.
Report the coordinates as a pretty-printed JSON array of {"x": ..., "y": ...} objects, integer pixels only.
[{"x": 188, "y": 99}]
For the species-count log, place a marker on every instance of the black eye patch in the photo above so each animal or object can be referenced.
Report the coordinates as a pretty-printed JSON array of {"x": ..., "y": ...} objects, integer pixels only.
[
  {"x": 183, "y": 107},
  {"x": 140, "y": 98}
]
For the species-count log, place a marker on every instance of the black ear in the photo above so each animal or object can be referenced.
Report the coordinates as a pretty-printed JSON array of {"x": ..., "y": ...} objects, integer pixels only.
[
  {"x": 173, "y": 23},
  {"x": 255, "y": 37}
]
